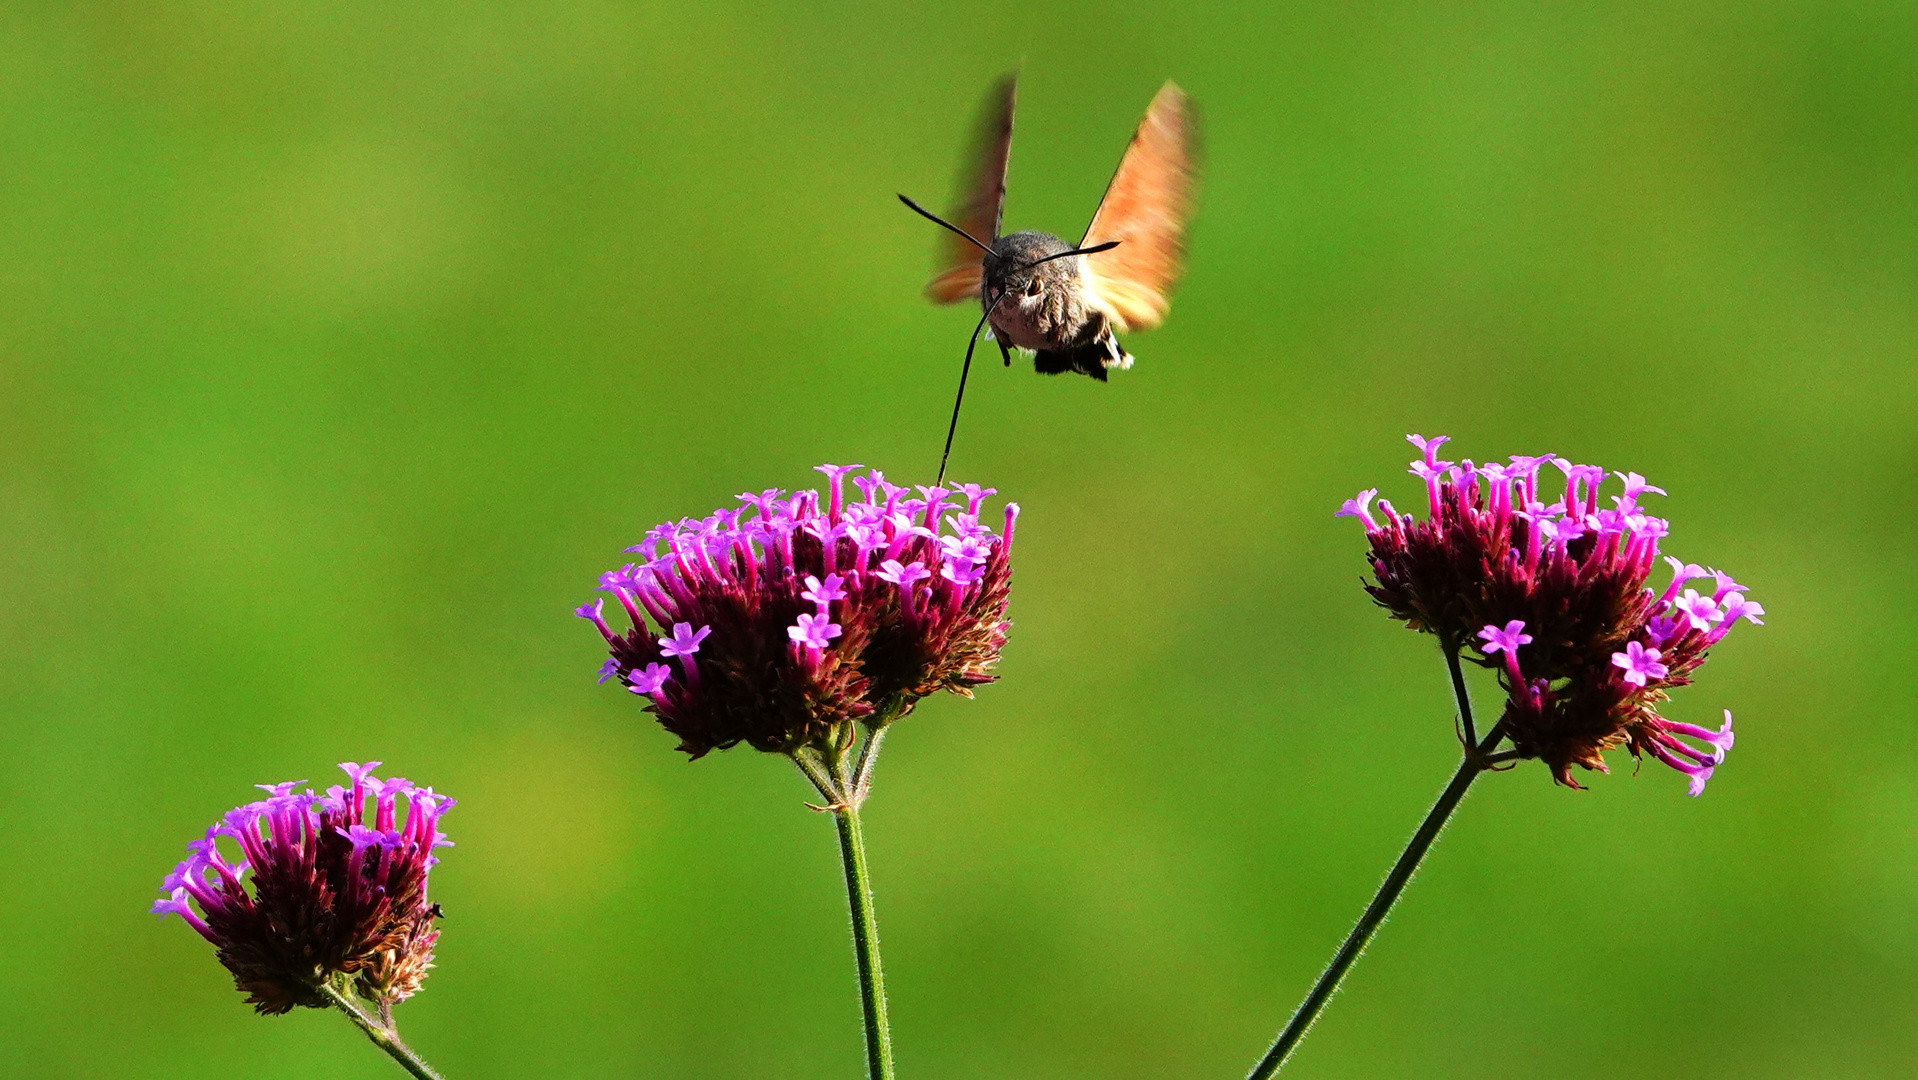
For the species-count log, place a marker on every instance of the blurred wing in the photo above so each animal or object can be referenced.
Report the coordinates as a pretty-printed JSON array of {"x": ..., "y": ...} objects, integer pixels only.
[
  {"x": 981, "y": 197},
  {"x": 1145, "y": 209}
]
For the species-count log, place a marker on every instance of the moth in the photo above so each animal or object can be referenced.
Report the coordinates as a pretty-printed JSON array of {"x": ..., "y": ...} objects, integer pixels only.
[{"x": 1067, "y": 303}]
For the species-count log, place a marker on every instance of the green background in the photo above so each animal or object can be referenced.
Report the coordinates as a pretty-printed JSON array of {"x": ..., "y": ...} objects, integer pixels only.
[{"x": 342, "y": 346}]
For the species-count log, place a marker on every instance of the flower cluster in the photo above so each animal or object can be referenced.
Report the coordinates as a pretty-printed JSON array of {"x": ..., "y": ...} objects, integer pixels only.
[
  {"x": 338, "y": 890},
  {"x": 1555, "y": 596},
  {"x": 780, "y": 622}
]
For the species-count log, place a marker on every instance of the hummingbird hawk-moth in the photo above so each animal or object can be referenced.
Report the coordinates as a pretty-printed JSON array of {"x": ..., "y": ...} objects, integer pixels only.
[{"x": 1066, "y": 303}]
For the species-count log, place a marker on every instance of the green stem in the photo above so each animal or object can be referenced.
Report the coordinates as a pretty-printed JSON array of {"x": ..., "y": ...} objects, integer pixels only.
[
  {"x": 1474, "y": 762},
  {"x": 1458, "y": 692},
  {"x": 868, "y": 756},
  {"x": 865, "y": 943},
  {"x": 844, "y": 785},
  {"x": 815, "y": 770},
  {"x": 383, "y": 1037}
]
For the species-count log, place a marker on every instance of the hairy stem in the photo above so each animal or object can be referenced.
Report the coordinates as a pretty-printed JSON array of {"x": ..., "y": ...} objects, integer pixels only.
[
  {"x": 868, "y": 756},
  {"x": 382, "y": 1035},
  {"x": 814, "y": 769},
  {"x": 1458, "y": 692},
  {"x": 844, "y": 784},
  {"x": 865, "y": 943}
]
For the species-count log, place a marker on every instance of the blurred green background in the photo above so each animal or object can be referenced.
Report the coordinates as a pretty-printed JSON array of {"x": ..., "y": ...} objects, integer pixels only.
[{"x": 341, "y": 347}]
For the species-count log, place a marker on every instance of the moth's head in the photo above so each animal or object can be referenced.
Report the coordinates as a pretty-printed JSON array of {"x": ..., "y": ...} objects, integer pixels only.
[
  {"x": 1026, "y": 266},
  {"x": 1030, "y": 264}
]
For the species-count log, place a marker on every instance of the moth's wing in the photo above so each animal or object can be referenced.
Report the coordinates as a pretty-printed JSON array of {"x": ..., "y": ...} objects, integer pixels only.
[
  {"x": 981, "y": 197},
  {"x": 1145, "y": 209}
]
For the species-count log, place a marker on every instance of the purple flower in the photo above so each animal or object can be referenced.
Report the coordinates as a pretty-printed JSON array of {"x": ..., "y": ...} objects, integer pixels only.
[
  {"x": 648, "y": 680},
  {"x": 799, "y": 614},
  {"x": 1635, "y": 485},
  {"x": 837, "y": 475},
  {"x": 1698, "y": 610},
  {"x": 338, "y": 890},
  {"x": 1495, "y": 553},
  {"x": 1725, "y": 585},
  {"x": 824, "y": 592},
  {"x": 592, "y": 613},
  {"x": 1361, "y": 508},
  {"x": 813, "y": 631},
  {"x": 972, "y": 549},
  {"x": 962, "y": 572},
  {"x": 1639, "y": 664},
  {"x": 1690, "y": 760},
  {"x": 1507, "y": 641},
  {"x": 902, "y": 576},
  {"x": 684, "y": 641},
  {"x": 1737, "y": 607}
]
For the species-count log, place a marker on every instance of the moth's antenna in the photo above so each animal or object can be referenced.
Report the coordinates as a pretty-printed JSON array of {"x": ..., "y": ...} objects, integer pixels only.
[
  {"x": 1093, "y": 250},
  {"x": 944, "y": 224},
  {"x": 960, "y": 398}
]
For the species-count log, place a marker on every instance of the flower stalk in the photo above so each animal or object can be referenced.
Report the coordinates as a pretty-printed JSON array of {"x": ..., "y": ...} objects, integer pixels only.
[
  {"x": 844, "y": 783},
  {"x": 384, "y": 1035},
  {"x": 865, "y": 943}
]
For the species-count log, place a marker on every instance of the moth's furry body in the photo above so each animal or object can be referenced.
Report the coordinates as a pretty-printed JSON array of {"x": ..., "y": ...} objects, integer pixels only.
[
  {"x": 1042, "y": 306},
  {"x": 1066, "y": 310},
  {"x": 1066, "y": 301}
]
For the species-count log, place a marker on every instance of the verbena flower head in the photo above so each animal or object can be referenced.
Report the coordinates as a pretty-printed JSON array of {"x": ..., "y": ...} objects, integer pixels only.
[
  {"x": 1556, "y": 596},
  {"x": 338, "y": 890},
  {"x": 780, "y": 622}
]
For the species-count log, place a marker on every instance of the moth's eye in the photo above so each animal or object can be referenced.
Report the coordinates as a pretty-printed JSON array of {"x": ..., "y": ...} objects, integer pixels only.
[{"x": 1032, "y": 287}]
